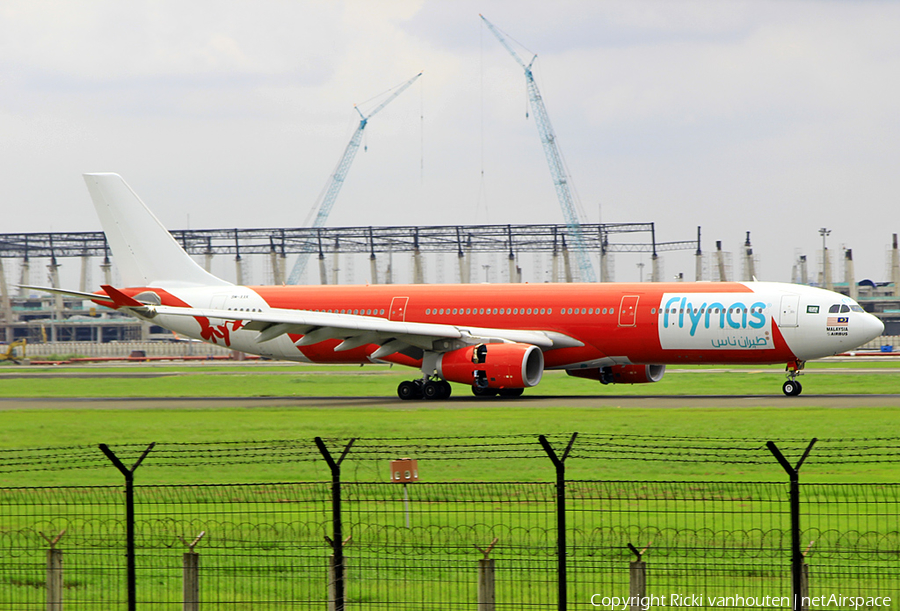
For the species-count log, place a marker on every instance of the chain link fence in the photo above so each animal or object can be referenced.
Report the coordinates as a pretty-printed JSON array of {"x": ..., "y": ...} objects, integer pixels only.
[{"x": 568, "y": 543}]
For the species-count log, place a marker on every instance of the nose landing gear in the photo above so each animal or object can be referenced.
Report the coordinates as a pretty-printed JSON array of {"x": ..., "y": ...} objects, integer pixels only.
[{"x": 792, "y": 387}]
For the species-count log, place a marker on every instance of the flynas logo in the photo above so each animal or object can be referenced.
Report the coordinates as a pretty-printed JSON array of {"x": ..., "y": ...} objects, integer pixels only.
[
  {"x": 738, "y": 314},
  {"x": 714, "y": 321}
]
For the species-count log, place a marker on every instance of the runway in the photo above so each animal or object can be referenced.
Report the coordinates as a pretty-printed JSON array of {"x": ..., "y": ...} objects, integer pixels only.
[{"x": 460, "y": 402}]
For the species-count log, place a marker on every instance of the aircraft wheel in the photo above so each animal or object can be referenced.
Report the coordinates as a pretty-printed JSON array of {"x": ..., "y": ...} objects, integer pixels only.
[
  {"x": 407, "y": 390},
  {"x": 792, "y": 388},
  {"x": 484, "y": 392},
  {"x": 512, "y": 392},
  {"x": 446, "y": 390},
  {"x": 432, "y": 390}
]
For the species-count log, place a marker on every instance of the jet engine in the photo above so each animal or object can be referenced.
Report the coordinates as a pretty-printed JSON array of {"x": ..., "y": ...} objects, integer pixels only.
[
  {"x": 621, "y": 374},
  {"x": 493, "y": 365}
]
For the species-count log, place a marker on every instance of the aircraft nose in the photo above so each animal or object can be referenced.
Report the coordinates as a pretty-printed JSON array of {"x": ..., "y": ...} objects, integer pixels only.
[{"x": 873, "y": 327}]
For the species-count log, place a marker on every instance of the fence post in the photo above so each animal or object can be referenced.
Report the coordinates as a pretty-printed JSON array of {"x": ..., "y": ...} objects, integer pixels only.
[
  {"x": 129, "y": 517},
  {"x": 560, "y": 464},
  {"x": 332, "y": 572},
  {"x": 54, "y": 573},
  {"x": 486, "y": 598},
  {"x": 190, "y": 563},
  {"x": 337, "y": 541},
  {"x": 797, "y": 588},
  {"x": 637, "y": 578}
]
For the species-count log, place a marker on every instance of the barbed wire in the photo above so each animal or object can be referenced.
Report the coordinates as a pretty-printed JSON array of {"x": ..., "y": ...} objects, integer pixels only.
[{"x": 585, "y": 447}]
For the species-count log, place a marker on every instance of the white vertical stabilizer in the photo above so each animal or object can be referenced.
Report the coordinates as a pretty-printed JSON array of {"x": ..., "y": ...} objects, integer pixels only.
[{"x": 144, "y": 251}]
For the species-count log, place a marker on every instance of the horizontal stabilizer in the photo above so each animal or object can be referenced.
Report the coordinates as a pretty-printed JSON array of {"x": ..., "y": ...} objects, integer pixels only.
[{"x": 67, "y": 293}]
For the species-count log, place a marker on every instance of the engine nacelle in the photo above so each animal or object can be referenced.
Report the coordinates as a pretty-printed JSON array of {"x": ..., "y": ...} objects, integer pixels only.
[
  {"x": 493, "y": 365},
  {"x": 621, "y": 374}
]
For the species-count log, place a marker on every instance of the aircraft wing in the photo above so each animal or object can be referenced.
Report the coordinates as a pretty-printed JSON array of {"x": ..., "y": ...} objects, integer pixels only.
[{"x": 355, "y": 331}]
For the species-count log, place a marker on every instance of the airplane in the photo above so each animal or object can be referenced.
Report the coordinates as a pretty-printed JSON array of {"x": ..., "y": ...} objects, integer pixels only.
[{"x": 498, "y": 339}]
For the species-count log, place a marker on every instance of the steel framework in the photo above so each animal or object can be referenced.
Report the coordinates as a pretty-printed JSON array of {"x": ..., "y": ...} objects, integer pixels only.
[{"x": 598, "y": 238}]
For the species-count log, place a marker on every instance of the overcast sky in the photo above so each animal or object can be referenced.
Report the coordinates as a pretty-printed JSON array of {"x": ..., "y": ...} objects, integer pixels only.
[{"x": 776, "y": 118}]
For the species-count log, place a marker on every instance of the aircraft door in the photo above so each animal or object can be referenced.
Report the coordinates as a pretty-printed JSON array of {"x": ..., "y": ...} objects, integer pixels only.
[
  {"x": 218, "y": 302},
  {"x": 790, "y": 305},
  {"x": 398, "y": 308},
  {"x": 628, "y": 310}
]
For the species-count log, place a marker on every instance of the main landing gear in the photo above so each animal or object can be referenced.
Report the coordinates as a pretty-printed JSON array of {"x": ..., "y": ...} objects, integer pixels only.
[
  {"x": 792, "y": 387},
  {"x": 434, "y": 388}
]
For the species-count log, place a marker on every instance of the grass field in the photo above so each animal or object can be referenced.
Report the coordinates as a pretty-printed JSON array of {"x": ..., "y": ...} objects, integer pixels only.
[
  {"x": 265, "y": 380},
  {"x": 23, "y": 428},
  {"x": 265, "y": 541}
]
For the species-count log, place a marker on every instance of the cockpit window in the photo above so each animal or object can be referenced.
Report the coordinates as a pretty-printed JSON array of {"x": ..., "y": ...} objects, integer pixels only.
[
  {"x": 834, "y": 309},
  {"x": 845, "y": 309},
  {"x": 856, "y": 308}
]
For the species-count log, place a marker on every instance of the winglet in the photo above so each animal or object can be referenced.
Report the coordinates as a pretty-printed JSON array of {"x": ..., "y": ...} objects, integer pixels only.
[{"x": 120, "y": 299}]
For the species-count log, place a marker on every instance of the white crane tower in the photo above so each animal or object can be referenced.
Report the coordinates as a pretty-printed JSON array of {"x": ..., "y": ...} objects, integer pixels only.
[
  {"x": 329, "y": 194},
  {"x": 554, "y": 159}
]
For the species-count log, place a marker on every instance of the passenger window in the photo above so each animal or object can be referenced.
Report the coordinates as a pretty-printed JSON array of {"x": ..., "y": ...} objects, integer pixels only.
[{"x": 542, "y": 310}]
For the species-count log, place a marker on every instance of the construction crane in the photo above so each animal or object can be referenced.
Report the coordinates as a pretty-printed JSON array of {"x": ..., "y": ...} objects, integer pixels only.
[
  {"x": 554, "y": 160},
  {"x": 329, "y": 195}
]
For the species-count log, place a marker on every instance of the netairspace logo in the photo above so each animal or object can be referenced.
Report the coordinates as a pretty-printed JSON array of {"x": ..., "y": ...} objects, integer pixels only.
[{"x": 645, "y": 603}]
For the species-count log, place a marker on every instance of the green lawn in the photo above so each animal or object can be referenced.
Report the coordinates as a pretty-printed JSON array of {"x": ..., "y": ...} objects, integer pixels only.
[
  {"x": 276, "y": 532},
  {"x": 73, "y": 427},
  {"x": 264, "y": 380},
  {"x": 78, "y": 425}
]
